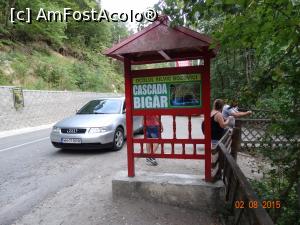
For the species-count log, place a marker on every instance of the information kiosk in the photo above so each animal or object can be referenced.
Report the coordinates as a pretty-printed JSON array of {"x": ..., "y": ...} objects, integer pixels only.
[{"x": 172, "y": 91}]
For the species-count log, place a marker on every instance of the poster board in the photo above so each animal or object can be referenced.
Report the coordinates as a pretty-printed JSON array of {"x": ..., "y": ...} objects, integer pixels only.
[{"x": 167, "y": 92}]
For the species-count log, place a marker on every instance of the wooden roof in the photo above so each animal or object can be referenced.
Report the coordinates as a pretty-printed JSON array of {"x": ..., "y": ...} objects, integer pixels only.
[{"x": 161, "y": 43}]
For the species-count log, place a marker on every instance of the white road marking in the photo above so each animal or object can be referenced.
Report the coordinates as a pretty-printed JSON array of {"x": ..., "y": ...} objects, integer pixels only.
[{"x": 27, "y": 143}]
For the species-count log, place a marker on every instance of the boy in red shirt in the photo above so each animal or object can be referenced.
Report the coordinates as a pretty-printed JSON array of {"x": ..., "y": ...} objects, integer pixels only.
[{"x": 153, "y": 130}]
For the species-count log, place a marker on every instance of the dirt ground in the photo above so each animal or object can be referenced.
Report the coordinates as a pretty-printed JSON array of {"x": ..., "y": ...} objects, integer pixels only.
[
  {"x": 81, "y": 188},
  {"x": 89, "y": 202}
]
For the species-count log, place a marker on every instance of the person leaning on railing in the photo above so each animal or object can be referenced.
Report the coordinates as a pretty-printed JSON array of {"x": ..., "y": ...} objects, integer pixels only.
[
  {"x": 232, "y": 110},
  {"x": 218, "y": 123}
]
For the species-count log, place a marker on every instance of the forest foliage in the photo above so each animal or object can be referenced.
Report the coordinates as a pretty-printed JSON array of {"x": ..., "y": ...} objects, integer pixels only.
[
  {"x": 58, "y": 55},
  {"x": 259, "y": 64}
]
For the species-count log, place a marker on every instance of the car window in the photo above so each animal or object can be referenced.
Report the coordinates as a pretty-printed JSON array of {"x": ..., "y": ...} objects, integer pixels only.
[{"x": 104, "y": 106}]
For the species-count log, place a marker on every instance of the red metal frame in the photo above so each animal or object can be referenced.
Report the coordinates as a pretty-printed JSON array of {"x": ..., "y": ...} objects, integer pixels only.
[
  {"x": 205, "y": 110},
  {"x": 161, "y": 43},
  {"x": 129, "y": 122}
]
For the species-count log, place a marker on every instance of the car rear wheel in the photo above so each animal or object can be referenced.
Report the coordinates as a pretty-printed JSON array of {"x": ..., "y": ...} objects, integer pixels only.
[{"x": 118, "y": 139}]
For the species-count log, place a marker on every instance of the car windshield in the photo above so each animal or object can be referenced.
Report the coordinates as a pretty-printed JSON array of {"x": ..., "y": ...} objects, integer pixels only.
[{"x": 104, "y": 106}]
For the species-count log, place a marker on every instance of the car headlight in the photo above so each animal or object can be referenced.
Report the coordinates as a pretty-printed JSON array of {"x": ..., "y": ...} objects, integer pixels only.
[
  {"x": 56, "y": 129},
  {"x": 97, "y": 130}
]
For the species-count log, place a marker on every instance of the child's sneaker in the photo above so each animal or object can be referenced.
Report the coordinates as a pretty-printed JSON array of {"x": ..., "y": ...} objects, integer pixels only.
[{"x": 151, "y": 162}]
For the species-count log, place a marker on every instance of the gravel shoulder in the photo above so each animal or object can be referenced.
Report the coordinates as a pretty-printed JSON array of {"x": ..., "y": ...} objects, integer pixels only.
[{"x": 89, "y": 200}]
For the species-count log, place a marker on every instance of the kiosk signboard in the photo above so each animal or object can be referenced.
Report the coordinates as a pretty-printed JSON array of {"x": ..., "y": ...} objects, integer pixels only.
[{"x": 169, "y": 92}]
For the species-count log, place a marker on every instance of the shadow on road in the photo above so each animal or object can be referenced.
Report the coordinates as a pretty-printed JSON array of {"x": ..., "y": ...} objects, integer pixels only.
[{"x": 83, "y": 151}]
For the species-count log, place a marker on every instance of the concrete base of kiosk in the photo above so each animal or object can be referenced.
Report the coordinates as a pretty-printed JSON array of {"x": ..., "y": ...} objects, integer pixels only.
[{"x": 190, "y": 191}]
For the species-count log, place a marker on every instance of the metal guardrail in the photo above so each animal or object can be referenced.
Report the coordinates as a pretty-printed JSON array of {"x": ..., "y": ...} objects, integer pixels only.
[
  {"x": 36, "y": 108},
  {"x": 245, "y": 207}
]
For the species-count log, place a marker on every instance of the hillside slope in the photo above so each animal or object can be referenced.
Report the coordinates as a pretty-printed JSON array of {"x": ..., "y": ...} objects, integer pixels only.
[
  {"x": 58, "y": 55},
  {"x": 37, "y": 66}
]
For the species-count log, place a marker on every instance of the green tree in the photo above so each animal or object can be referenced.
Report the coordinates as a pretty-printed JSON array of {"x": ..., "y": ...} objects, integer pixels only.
[
  {"x": 32, "y": 48},
  {"x": 259, "y": 62}
]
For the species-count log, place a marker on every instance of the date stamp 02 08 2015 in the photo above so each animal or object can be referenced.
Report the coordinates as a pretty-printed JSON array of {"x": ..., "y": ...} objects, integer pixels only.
[{"x": 266, "y": 204}]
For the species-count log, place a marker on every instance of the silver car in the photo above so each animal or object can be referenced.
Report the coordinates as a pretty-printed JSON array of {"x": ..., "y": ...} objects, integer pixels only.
[{"x": 99, "y": 124}]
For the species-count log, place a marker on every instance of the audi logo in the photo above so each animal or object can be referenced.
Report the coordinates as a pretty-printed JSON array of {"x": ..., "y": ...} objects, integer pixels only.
[{"x": 72, "y": 131}]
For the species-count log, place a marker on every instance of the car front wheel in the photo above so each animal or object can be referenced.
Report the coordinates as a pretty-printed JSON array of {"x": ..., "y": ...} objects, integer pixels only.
[{"x": 118, "y": 139}]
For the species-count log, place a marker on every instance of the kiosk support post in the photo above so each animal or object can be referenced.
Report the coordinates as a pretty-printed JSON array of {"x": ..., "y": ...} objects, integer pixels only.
[
  {"x": 206, "y": 99},
  {"x": 129, "y": 122}
]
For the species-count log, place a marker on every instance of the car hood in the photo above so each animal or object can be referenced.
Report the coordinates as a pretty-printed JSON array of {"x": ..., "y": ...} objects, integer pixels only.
[{"x": 90, "y": 120}]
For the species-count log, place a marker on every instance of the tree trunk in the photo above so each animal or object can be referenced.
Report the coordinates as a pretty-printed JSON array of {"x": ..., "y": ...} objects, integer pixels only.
[
  {"x": 298, "y": 192},
  {"x": 247, "y": 66},
  {"x": 10, "y": 4}
]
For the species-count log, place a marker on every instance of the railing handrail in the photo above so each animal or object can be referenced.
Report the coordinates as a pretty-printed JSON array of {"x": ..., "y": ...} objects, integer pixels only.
[
  {"x": 236, "y": 183},
  {"x": 224, "y": 136},
  {"x": 260, "y": 214},
  {"x": 255, "y": 109}
]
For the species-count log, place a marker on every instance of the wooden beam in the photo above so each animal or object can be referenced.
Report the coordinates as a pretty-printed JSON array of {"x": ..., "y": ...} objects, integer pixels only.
[
  {"x": 157, "y": 58},
  {"x": 167, "y": 71},
  {"x": 200, "y": 49},
  {"x": 163, "y": 54}
]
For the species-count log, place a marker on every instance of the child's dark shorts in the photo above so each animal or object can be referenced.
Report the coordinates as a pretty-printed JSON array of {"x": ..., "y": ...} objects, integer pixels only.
[{"x": 152, "y": 132}]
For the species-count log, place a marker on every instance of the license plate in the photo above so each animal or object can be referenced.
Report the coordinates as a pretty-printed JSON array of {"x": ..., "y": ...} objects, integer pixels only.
[{"x": 71, "y": 140}]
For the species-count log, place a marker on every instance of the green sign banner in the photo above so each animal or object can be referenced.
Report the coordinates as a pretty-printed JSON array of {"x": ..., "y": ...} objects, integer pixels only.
[{"x": 179, "y": 91}]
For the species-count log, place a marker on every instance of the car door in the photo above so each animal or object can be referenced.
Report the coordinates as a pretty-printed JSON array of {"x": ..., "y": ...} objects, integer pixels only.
[{"x": 137, "y": 120}]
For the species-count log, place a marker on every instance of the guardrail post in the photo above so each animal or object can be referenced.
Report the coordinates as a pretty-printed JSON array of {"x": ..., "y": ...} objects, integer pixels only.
[
  {"x": 238, "y": 123},
  {"x": 236, "y": 142}
]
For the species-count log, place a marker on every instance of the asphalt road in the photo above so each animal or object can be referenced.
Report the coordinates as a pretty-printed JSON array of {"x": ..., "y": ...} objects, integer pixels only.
[
  {"x": 40, "y": 184},
  {"x": 32, "y": 170}
]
